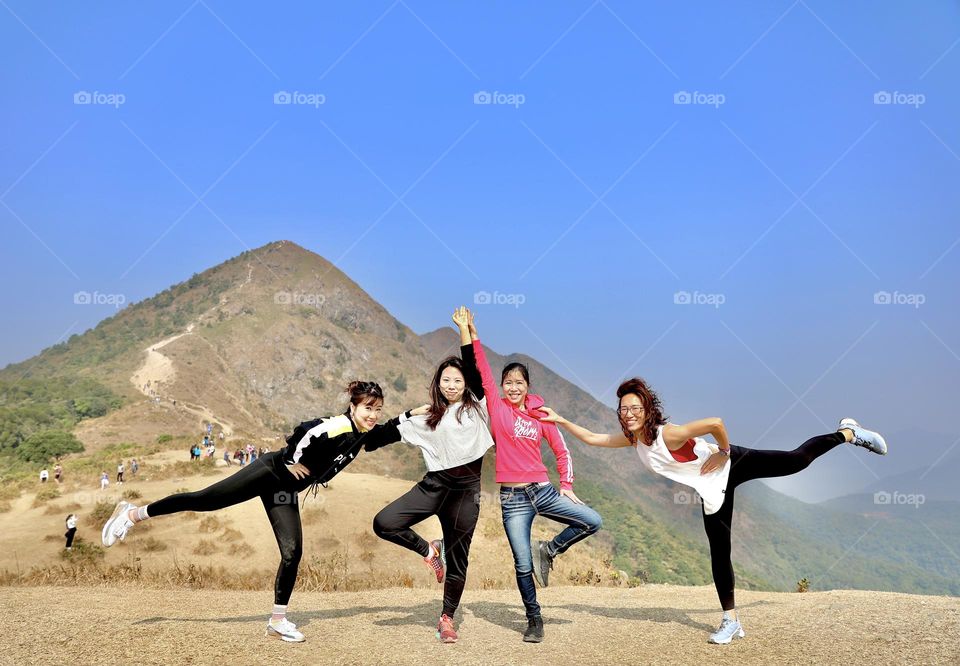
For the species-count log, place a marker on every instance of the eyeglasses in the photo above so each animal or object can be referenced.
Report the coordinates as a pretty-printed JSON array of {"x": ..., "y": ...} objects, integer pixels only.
[{"x": 636, "y": 410}]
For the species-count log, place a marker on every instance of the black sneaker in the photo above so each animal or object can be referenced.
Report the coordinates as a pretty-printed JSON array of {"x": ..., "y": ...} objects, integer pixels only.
[
  {"x": 542, "y": 562},
  {"x": 534, "y": 632}
]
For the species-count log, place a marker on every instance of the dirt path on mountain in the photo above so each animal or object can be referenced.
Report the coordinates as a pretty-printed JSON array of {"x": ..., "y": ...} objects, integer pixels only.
[{"x": 652, "y": 624}]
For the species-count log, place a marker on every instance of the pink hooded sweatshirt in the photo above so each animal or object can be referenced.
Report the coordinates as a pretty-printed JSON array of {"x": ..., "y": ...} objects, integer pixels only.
[{"x": 518, "y": 434}]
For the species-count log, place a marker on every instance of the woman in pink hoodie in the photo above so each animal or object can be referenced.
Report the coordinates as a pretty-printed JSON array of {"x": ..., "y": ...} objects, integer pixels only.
[{"x": 525, "y": 490}]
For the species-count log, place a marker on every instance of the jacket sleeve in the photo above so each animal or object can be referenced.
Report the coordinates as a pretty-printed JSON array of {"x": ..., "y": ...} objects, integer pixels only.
[
  {"x": 381, "y": 435},
  {"x": 560, "y": 450},
  {"x": 470, "y": 372}
]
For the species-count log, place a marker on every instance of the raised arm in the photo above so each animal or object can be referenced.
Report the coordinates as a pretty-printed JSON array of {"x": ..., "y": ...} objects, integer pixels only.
[
  {"x": 613, "y": 440},
  {"x": 462, "y": 318},
  {"x": 490, "y": 388}
]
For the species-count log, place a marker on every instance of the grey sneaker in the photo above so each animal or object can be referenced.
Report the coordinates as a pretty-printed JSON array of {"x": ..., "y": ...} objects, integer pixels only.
[
  {"x": 118, "y": 525},
  {"x": 868, "y": 439},
  {"x": 542, "y": 562},
  {"x": 729, "y": 629}
]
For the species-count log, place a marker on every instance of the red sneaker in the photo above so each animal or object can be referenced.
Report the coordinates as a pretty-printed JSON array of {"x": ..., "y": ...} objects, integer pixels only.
[
  {"x": 445, "y": 631},
  {"x": 436, "y": 560}
]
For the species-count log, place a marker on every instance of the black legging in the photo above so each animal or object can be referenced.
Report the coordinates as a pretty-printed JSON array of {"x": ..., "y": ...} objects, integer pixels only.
[
  {"x": 277, "y": 490},
  {"x": 451, "y": 495},
  {"x": 745, "y": 465}
]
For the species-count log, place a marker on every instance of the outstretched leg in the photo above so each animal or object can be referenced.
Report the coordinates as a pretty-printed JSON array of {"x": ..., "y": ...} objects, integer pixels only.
[{"x": 748, "y": 464}]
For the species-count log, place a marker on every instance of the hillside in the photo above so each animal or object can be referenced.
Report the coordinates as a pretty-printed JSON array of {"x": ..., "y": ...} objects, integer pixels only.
[
  {"x": 662, "y": 624},
  {"x": 270, "y": 337}
]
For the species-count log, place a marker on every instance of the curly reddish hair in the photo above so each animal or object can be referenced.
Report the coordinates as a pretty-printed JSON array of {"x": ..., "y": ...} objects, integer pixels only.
[{"x": 652, "y": 409}]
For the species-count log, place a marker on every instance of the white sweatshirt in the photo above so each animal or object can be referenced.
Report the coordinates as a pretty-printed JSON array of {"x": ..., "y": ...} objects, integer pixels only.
[
  {"x": 711, "y": 487},
  {"x": 452, "y": 444}
]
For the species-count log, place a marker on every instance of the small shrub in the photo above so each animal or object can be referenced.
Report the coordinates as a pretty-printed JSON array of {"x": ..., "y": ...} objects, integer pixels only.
[
  {"x": 83, "y": 552},
  {"x": 231, "y": 535},
  {"x": 132, "y": 494},
  {"x": 209, "y": 524},
  {"x": 803, "y": 585},
  {"x": 205, "y": 547},
  {"x": 152, "y": 544},
  {"x": 240, "y": 549},
  {"x": 101, "y": 513},
  {"x": 164, "y": 438},
  {"x": 45, "y": 495}
]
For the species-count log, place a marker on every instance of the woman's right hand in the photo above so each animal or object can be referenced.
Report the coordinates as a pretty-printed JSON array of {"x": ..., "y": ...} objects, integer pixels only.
[
  {"x": 461, "y": 318},
  {"x": 551, "y": 416},
  {"x": 298, "y": 471}
]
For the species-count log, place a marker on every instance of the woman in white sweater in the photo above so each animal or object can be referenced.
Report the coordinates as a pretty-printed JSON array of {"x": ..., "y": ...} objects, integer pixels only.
[{"x": 452, "y": 436}]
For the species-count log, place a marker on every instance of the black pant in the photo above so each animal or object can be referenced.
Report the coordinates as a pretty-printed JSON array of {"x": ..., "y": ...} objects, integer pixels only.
[
  {"x": 453, "y": 496},
  {"x": 70, "y": 534},
  {"x": 276, "y": 488},
  {"x": 745, "y": 465}
]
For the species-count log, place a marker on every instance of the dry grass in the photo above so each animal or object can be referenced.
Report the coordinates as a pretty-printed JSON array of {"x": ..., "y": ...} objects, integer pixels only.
[
  {"x": 205, "y": 547},
  {"x": 209, "y": 524}
]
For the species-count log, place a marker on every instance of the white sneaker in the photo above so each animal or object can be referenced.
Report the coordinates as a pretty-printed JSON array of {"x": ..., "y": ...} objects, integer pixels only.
[
  {"x": 729, "y": 629},
  {"x": 118, "y": 525},
  {"x": 285, "y": 630},
  {"x": 868, "y": 439}
]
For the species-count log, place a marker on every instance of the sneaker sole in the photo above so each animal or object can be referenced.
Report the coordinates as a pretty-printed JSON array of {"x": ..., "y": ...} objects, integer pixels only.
[
  {"x": 532, "y": 640},
  {"x": 739, "y": 634},
  {"x": 446, "y": 640},
  {"x": 117, "y": 512},
  {"x": 270, "y": 633}
]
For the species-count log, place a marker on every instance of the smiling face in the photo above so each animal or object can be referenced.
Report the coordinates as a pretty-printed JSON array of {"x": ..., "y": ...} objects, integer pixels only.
[
  {"x": 366, "y": 414},
  {"x": 452, "y": 384},
  {"x": 632, "y": 414},
  {"x": 515, "y": 387}
]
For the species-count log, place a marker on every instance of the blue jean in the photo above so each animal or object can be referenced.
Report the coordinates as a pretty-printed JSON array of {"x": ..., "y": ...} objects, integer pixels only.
[{"x": 520, "y": 506}]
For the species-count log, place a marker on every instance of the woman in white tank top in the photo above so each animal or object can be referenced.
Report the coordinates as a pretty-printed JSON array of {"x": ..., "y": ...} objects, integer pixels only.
[{"x": 679, "y": 452}]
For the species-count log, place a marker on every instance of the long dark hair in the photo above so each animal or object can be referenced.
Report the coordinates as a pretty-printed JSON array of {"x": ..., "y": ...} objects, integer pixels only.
[
  {"x": 438, "y": 403},
  {"x": 652, "y": 409},
  {"x": 519, "y": 367},
  {"x": 362, "y": 393}
]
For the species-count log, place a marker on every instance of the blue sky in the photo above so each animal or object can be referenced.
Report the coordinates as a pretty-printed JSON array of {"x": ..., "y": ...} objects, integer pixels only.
[{"x": 782, "y": 198}]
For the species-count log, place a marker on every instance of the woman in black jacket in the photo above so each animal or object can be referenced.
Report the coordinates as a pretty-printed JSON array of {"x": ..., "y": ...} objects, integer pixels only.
[{"x": 315, "y": 452}]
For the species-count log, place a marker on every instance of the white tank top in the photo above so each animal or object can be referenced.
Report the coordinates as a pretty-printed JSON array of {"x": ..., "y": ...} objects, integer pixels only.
[{"x": 711, "y": 487}]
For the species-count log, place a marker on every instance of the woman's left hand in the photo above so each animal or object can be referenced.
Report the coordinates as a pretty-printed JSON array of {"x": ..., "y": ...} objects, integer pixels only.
[
  {"x": 570, "y": 494},
  {"x": 714, "y": 463}
]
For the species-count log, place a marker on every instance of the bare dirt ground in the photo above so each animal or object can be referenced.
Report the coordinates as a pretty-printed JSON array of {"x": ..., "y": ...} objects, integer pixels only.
[{"x": 651, "y": 624}]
